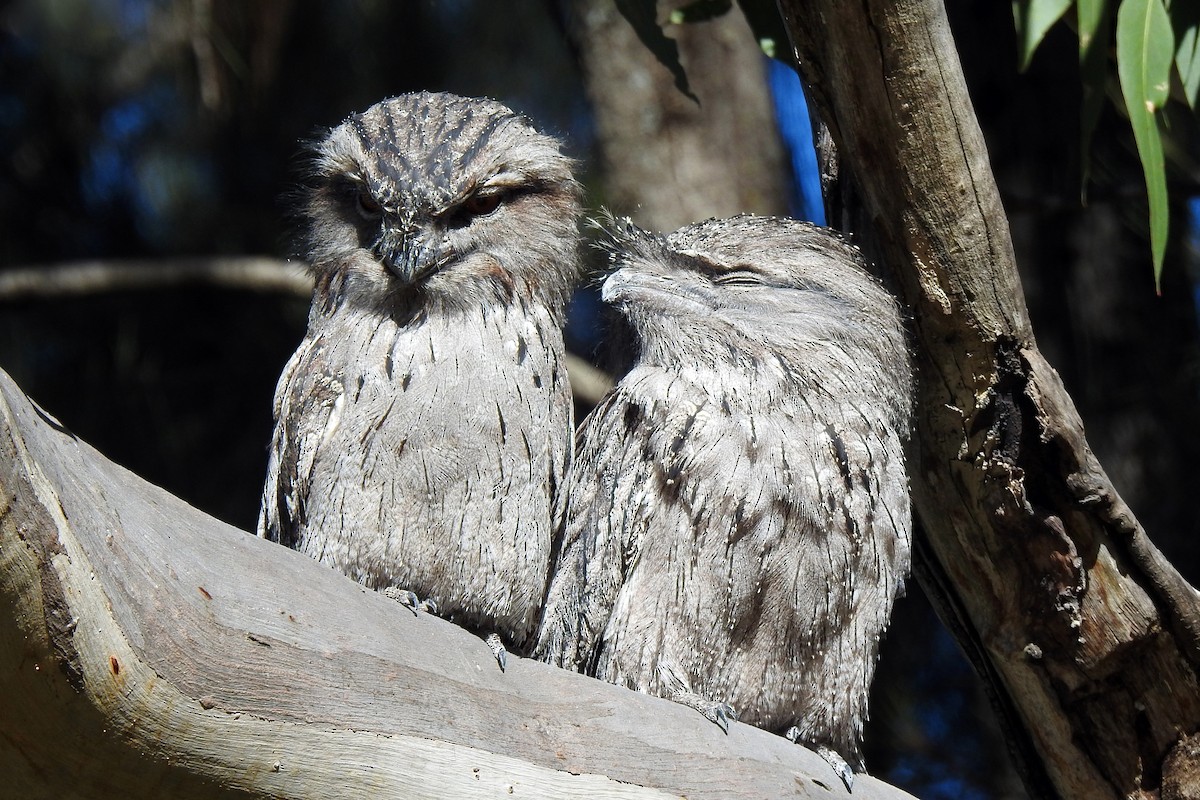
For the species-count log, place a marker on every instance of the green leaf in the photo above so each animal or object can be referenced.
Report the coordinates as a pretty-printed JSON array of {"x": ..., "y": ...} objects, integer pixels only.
[
  {"x": 1144, "y": 53},
  {"x": 1144, "y": 48},
  {"x": 642, "y": 15},
  {"x": 1032, "y": 19},
  {"x": 1090, "y": 15},
  {"x": 1094, "y": 21},
  {"x": 700, "y": 11},
  {"x": 1185, "y": 20}
]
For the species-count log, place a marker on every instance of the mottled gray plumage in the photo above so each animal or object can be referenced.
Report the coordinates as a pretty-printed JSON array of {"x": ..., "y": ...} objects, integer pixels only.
[
  {"x": 739, "y": 518},
  {"x": 423, "y": 427}
]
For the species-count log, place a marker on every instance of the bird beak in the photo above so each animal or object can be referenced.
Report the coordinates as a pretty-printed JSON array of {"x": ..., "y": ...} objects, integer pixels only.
[
  {"x": 614, "y": 285},
  {"x": 409, "y": 255}
]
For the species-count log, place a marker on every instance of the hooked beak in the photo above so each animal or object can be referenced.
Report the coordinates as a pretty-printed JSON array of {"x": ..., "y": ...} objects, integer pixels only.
[
  {"x": 410, "y": 253},
  {"x": 614, "y": 286}
]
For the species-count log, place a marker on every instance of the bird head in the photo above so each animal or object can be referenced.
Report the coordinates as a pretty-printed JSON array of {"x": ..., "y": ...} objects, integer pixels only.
[
  {"x": 776, "y": 298},
  {"x": 441, "y": 199}
]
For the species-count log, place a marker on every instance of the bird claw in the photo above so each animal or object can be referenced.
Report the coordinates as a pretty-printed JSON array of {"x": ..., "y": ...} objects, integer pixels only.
[
  {"x": 840, "y": 767},
  {"x": 409, "y": 600},
  {"x": 831, "y": 756},
  {"x": 677, "y": 691},
  {"x": 404, "y": 597},
  {"x": 720, "y": 713},
  {"x": 496, "y": 645}
]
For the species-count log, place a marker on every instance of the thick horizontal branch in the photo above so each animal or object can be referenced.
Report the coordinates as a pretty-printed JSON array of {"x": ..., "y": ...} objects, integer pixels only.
[{"x": 149, "y": 650}]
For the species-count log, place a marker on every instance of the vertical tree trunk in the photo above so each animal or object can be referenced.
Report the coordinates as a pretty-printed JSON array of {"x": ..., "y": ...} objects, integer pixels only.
[
  {"x": 1088, "y": 631},
  {"x": 669, "y": 160}
]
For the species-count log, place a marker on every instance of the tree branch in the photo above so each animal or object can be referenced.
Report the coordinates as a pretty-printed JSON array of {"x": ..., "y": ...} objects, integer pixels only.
[
  {"x": 242, "y": 273},
  {"x": 1090, "y": 630},
  {"x": 147, "y": 649},
  {"x": 668, "y": 159},
  {"x": 246, "y": 273}
]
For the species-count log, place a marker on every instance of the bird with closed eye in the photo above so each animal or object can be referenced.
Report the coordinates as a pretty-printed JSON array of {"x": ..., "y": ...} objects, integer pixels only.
[{"x": 739, "y": 522}]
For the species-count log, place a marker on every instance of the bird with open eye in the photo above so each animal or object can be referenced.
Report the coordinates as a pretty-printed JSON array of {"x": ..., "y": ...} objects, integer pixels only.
[
  {"x": 423, "y": 428},
  {"x": 739, "y": 522}
]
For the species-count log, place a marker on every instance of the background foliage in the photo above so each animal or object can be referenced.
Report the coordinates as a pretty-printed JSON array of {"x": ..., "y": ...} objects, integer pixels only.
[{"x": 1155, "y": 47}]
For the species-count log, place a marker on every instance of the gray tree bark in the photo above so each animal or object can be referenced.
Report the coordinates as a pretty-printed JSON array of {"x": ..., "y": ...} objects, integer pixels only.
[
  {"x": 148, "y": 650},
  {"x": 1091, "y": 636}
]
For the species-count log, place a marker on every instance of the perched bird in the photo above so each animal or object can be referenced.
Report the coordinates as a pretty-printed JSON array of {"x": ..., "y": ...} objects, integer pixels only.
[
  {"x": 739, "y": 521},
  {"x": 423, "y": 429}
]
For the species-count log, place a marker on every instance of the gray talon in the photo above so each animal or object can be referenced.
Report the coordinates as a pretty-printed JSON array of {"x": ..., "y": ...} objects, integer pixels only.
[
  {"x": 409, "y": 600},
  {"x": 831, "y": 756},
  {"x": 677, "y": 691},
  {"x": 496, "y": 645},
  {"x": 720, "y": 713},
  {"x": 839, "y": 766}
]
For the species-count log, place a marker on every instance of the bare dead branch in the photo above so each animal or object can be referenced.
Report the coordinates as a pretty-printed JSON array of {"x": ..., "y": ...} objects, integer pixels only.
[
  {"x": 147, "y": 649},
  {"x": 244, "y": 273},
  {"x": 249, "y": 273}
]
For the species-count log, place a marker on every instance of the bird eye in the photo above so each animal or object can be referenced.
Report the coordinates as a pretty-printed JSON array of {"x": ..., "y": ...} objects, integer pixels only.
[
  {"x": 368, "y": 207},
  {"x": 480, "y": 205},
  {"x": 738, "y": 278}
]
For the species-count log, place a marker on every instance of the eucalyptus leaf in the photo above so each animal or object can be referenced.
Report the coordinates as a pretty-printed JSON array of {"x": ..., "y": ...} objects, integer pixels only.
[
  {"x": 1032, "y": 19},
  {"x": 1145, "y": 47}
]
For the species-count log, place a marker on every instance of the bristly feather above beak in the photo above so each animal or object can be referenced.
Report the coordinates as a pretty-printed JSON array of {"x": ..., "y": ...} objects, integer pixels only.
[{"x": 410, "y": 252}]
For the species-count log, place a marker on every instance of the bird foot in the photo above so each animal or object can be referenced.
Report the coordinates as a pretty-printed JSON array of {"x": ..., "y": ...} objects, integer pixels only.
[
  {"x": 720, "y": 713},
  {"x": 832, "y": 757},
  {"x": 409, "y": 600},
  {"x": 496, "y": 645},
  {"x": 677, "y": 691}
]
